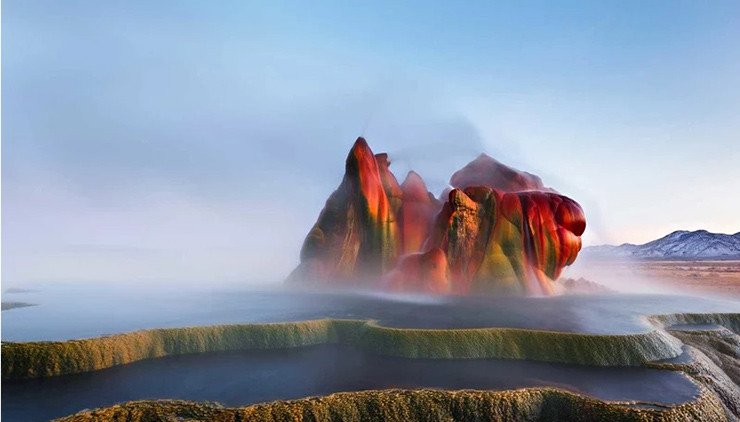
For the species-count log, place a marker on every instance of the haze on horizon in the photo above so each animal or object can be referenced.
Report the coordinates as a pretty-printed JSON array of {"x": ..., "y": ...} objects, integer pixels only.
[{"x": 197, "y": 142}]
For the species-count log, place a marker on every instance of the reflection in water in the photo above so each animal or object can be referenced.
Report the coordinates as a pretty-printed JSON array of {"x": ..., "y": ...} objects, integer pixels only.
[{"x": 247, "y": 377}]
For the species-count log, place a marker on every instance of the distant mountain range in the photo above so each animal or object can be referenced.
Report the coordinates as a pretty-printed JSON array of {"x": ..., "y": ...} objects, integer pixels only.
[{"x": 681, "y": 244}]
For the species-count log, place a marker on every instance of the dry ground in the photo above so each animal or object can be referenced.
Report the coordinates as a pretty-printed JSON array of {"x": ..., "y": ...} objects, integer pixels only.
[
  {"x": 713, "y": 277},
  {"x": 708, "y": 276}
]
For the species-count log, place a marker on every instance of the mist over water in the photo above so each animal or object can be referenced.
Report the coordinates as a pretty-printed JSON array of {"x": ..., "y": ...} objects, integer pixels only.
[
  {"x": 69, "y": 312},
  {"x": 628, "y": 278}
]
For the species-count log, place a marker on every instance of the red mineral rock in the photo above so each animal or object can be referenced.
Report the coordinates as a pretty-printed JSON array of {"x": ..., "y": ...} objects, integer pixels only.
[
  {"x": 499, "y": 231},
  {"x": 507, "y": 242},
  {"x": 356, "y": 238},
  {"x": 390, "y": 184},
  {"x": 416, "y": 213},
  {"x": 420, "y": 273}
]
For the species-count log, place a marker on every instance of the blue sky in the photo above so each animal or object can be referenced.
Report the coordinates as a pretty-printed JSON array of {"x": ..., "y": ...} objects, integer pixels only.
[{"x": 199, "y": 140}]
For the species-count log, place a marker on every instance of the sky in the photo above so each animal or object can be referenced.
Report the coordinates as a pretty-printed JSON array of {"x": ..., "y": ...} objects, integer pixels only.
[{"x": 185, "y": 141}]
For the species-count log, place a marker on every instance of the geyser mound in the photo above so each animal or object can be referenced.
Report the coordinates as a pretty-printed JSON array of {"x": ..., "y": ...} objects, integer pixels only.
[{"x": 500, "y": 231}]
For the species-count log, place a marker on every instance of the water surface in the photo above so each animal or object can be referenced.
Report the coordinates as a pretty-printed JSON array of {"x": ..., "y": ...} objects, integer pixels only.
[
  {"x": 70, "y": 312},
  {"x": 247, "y": 377}
]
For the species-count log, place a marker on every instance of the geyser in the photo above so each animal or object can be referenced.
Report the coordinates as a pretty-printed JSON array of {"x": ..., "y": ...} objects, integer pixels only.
[{"x": 500, "y": 231}]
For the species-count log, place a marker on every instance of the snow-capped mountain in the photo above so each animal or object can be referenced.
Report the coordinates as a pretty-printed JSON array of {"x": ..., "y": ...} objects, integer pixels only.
[{"x": 681, "y": 244}]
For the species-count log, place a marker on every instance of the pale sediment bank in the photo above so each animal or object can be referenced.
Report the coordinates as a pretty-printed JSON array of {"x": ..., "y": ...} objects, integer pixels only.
[{"x": 730, "y": 321}]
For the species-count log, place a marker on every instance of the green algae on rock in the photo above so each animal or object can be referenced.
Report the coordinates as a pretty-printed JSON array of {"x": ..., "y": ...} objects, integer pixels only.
[
  {"x": 531, "y": 404},
  {"x": 512, "y": 343},
  {"x": 713, "y": 366},
  {"x": 717, "y": 400},
  {"x": 51, "y": 358},
  {"x": 42, "y": 359}
]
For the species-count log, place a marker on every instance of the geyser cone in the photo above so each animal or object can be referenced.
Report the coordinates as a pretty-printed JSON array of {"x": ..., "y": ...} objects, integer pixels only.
[
  {"x": 508, "y": 243},
  {"x": 499, "y": 231},
  {"x": 356, "y": 237}
]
